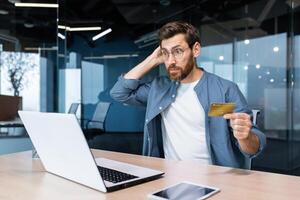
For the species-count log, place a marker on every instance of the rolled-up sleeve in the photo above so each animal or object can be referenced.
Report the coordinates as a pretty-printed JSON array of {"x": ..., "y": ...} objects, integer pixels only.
[
  {"x": 262, "y": 141},
  {"x": 130, "y": 91}
]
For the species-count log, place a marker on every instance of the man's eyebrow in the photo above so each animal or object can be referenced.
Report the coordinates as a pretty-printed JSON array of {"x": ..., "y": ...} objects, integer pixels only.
[
  {"x": 175, "y": 47},
  {"x": 172, "y": 47}
]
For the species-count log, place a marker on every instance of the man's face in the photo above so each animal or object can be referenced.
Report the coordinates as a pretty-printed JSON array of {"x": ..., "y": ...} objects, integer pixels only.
[{"x": 178, "y": 57}]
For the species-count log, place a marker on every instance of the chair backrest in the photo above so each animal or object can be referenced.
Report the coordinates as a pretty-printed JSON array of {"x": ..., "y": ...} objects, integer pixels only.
[
  {"x": 255, "y": 113},
  {"x": 99, "y": 116},
  {"x": 73, "y": 108}
]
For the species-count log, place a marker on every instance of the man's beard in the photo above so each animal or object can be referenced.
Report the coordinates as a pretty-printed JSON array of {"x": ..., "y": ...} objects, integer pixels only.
[{"x": 181, "y": 73}]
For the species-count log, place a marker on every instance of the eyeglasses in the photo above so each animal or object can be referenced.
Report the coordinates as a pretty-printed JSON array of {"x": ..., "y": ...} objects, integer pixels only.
[{"x": 177, "y": 53}]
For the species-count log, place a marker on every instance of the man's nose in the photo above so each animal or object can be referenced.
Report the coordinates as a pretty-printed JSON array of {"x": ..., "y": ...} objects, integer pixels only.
[{"x": 171, "y": 59}]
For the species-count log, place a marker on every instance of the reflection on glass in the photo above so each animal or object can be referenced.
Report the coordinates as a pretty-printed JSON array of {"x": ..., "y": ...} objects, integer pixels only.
[{"x": 259, "y": 72}]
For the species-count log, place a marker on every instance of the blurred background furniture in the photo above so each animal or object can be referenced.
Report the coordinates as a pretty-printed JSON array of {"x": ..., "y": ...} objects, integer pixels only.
[
  {"x": 9, "y": 106},
  {"x": 10, "y": 123},
  {"x": 73, "y": 108},
  {"x": 255, "y": 113},
  {"x": 96, "y": 125}
]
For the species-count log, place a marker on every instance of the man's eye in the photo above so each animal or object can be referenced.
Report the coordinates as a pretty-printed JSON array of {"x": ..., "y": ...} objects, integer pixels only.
[
  {"x": 178, "y": 51},
  {"x": 164, "y": 53}
]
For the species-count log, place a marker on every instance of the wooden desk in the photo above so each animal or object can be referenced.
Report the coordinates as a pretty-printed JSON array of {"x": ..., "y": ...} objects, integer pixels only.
[{"x": 24, "y": 178}]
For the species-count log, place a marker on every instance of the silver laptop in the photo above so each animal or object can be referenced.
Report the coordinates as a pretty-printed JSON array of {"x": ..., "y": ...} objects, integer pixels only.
[{"x": 63, "y": 150}]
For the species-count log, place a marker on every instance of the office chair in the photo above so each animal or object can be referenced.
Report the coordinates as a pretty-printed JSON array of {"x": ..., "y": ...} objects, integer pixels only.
[
  {"x": 73, "y": 108},
  {"x": 255, "y": 113},
  {"x": 96, "y": 125}
]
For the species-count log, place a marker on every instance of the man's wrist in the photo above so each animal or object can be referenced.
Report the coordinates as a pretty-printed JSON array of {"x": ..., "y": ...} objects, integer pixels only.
[
  {"x": 250, "y": 140},
  {"x": 153, "y": 62},
  {"x": 249, "y": 144}
]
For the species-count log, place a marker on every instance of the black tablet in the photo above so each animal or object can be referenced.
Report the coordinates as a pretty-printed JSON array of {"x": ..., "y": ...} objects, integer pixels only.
[{"x": 184, "y": 190}]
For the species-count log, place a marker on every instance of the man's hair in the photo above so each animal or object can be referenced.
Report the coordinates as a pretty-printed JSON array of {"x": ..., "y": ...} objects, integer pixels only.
[{"x": 177, "y": 27}]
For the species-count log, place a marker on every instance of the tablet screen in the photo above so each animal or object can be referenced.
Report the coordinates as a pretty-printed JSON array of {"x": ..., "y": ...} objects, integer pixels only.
[{"x": 185, "y": 191}]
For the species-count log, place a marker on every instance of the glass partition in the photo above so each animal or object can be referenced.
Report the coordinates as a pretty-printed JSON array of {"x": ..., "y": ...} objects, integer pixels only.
[
  {"x": 28, "y": 53},
  {"x": 28, "y": 57},
  {"x": 294, "y": 77}
]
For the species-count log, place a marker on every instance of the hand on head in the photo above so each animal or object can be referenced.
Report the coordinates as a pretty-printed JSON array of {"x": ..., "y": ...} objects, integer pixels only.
[{"x": 157, "y": 56}]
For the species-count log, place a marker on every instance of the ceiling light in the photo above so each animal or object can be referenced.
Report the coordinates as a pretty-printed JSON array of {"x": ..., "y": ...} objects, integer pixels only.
[
  {"x": 54, "y": 48},
  {"x": 246, "y": 67},
  {"x": 259, "y": 76},
  {"x": 89, "y": 28},
  {"x": 61, "y": 36},
  {"x": 13, "y": 1},
  {"x": 246, "y": 41},
  {"x": 92, "y": 28},
  {"x": 257, "y": 66},
  {"x": 37, "y": 5},
  {"x": 3, "y": 12},
  {"x": 113, "y": 56},
  {"x": 293, "y": 4},
  {"x": 221, "y": 58},
  {"x": 62, "y": 27},
  {"x": 28, "y": 25},
  {"x": 165, "y": 2},
  {"x": 272, "y": 80},
  {"x": 96, "y": 37},
  {"x": 276, "y": 49}
]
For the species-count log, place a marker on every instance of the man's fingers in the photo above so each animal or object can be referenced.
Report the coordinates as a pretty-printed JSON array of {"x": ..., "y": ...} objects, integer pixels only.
[
  {"x": 240, "y": 135},
  {"x": 241, "y": 122},
  {"x": 237, "y": 116},
  {"x": 228, "y": 116},
  {"x": 240, "y": 128}
]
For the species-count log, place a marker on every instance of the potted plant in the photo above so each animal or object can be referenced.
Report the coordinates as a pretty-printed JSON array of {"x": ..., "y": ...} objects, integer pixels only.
[{"x": 15, "y": 65}]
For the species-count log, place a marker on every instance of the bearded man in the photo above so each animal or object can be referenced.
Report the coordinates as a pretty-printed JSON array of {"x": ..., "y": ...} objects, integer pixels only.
[{"x": 177, "y": 125}]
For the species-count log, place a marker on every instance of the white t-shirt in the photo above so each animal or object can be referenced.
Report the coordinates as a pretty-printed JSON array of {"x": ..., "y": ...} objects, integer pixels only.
[{"x": 183, "y": 127}]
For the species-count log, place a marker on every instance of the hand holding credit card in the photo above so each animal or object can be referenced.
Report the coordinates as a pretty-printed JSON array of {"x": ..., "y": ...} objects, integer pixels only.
[{"x": 220, "y": 109}]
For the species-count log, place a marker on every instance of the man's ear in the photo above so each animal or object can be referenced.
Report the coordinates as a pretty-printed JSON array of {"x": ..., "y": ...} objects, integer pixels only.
[{"x": 196, "y": 49}]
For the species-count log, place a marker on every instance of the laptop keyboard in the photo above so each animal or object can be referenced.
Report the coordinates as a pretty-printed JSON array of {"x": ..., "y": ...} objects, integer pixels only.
[{"x": 114, "y": 176}]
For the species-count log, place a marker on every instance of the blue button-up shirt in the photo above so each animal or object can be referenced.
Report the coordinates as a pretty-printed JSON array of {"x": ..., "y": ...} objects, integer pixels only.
[{"x": 159, "y": 93}]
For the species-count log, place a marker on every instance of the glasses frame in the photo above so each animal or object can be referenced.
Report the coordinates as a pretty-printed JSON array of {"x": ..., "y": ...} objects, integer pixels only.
[{"x": 166, "y": 54}]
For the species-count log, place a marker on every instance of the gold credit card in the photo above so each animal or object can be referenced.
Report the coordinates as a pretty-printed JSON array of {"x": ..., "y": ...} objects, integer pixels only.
[{"x": 220, "y": 109}]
